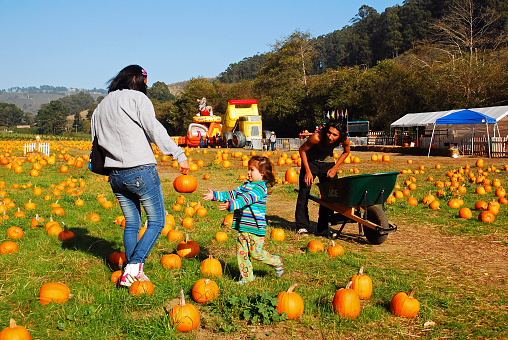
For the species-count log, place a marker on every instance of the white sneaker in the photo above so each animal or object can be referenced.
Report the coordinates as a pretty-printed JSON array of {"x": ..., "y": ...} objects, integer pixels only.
[
  {"x": 133, "y": 272},
  {"x": 302, "y": 231}
]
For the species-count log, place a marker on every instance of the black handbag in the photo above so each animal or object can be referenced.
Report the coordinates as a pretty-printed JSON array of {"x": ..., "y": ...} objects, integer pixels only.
[{"x": 96, "y": 163}]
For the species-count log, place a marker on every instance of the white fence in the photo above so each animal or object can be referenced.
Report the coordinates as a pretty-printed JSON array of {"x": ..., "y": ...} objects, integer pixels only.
[
  {"x": 40, "y": 147},
  {"x": 470, "y": 146}
]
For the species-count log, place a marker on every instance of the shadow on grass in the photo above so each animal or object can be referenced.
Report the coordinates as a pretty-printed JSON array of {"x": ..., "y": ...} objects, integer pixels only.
[{"x": 83, "y": 242}]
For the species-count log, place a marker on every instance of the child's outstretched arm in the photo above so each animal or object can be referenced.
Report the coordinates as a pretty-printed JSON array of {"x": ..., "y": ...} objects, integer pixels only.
[
  {"x": 224, "y": 206},
  {"x": 208, "y": 196}
]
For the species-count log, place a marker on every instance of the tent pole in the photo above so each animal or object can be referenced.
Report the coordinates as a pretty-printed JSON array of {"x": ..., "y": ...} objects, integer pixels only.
[
  {"x": 472, "y": 142},
  {"x": 431, "y": 138},
  {"x": 488, "y": 138}
]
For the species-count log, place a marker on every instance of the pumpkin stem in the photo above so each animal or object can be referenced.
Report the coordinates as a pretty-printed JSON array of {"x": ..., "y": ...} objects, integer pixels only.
[
  {"x": 360, "y": 272},
  {"x": 348, "y": 286},
  {"x": 65, "y": 227},
  {"x": 411, "y": 294},
  {"x": 186, "y": 238},
  {"x": 290, "y": 289},
  {"x": 12, "y": 323},
  {"x": 333, "y": 243},
  {"x": 182, "y": 298}
]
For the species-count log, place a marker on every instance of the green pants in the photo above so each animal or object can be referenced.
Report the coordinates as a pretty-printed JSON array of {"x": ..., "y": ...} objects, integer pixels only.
[{"x": 251, "y": 246}]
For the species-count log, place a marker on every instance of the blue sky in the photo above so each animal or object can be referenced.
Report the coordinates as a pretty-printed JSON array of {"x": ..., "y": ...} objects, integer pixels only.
[{"x": 85, "y": 43}]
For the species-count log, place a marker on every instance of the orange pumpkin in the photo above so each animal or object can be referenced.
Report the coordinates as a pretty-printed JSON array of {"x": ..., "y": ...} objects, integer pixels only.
[
  {"x": 116, "y": 276},
  {"x": 54, "y": 292},
  {"x": 187, "y": 248},
  {"x": 8, "y": 247},
  {"x": 315, "y": 246},
  {"x": 14, "y": 232},
  {"x": 405, "y": 305},
  {"x": 335, "y": 250},
  {"x": 465, "y": 213},
  {"x": 117, "y": 258},
  {"x": 184, "y": 317},
  {"x": 171, "y": 261},
  {"x": 185, "y": 183},
  {"x": 14, "y": 332},
  {"x": 141, "y": 288},
  {"x": 290, "y": 303},
  {"x": 486, "y": 216},
  {"x": 346, "y": 302},
  {"x": 291, "y": 176},
  {"x": 204, "y": 290},
  {"x": 277, "y": 234},
  {"x": 221, "y": 236},
  {"x": 362, "y": 284},
  {"x": 211, "y": 267}
]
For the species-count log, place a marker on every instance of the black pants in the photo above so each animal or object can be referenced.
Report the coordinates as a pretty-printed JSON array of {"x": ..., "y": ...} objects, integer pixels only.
[{"x": 318, "y": 169}]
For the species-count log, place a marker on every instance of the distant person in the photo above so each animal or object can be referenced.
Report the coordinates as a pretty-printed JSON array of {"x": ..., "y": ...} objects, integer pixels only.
[
  {"x": 248, "y": 202},
  {"x": 317, "y": 160},
  {"x": 273, "y": 139},
  {"x": 125, "y": 125}
]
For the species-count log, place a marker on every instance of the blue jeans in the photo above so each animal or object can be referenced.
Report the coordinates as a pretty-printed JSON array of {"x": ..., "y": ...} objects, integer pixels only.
[{"x": 134, "y": 187}]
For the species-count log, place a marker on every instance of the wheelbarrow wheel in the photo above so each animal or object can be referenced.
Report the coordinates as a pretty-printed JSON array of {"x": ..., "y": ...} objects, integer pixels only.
[{"x": 376, "y": 215}]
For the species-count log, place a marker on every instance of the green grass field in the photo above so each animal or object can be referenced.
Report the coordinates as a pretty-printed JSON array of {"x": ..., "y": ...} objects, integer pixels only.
[{"x": 456, "y": 302}]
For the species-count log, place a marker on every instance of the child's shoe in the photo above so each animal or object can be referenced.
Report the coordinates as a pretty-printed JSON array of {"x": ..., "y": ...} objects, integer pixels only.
[
  {"x": 279, "y": 270},
  {"x": 133, "y": 272},
  {"x": 242, "y": 282}
]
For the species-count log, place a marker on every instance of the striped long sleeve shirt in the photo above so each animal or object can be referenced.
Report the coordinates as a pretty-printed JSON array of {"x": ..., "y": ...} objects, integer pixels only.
[{"x": 248, "y": 202}]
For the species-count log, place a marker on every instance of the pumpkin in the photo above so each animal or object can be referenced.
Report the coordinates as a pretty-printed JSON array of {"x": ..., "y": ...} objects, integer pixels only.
[
  {"x": 175, "y": 235},
  {"x": 171, "y": 261},
  {"x": 53, "y": 228},
  {"x": 185, "y": 183},
  {"x": 204, "y": 290},
  {"x": 479, "y": 163},
  {"x": 290, "y": 303},
  {"x": 19, "y": 213},
  {"x": 362, "y": 284},
  {"x": 189, "y": 211},
  {"x": 185, "y": 317},
  {"x": 29, "y": 205},
  {"x": 116, "y": 276},
  {"x": 144, "y": 287},
  {"x": 54, "y": 292},
  {"x": 201, "y": 211},
  {"x": 228, "y": 220},
  {"x": 15, "y": 232},
  {"x": 35, "y": 221},
  {"x": 465, "y": 213},
  {"x": 117, "y": 258},
  {"x": 277, "y": 234},
  {"x": 221, "y": 236},
  {"x": 8, "y": 247},
  {"x": 405, "y": 305},
  {"x": 187, "y": 248},
  {"x": 211, "y": 267},
  {"x": 412, "y": 201},
  {"x": 291, "y": 176},
  {"x": 454, "y": 203},
  {"x": 481, "y": 205},
  {"x": 188, "y": 222},
  {"x": 14, "y": 332},
  {"x": 486, "y": 216},
  {"x": 335, "y": 250},
  {"x": 65, "y": 234},
  {"x": 494, "y": 207},
  {"x": 346, "y": 302},
  {"x": 94, "y": 217},
  {"x": 315, "y": 246},
  {"x": 434, "y": 205}
]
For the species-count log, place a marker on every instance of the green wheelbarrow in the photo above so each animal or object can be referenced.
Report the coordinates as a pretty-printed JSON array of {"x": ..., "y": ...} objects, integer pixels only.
[{"x": 349, "y": 196}]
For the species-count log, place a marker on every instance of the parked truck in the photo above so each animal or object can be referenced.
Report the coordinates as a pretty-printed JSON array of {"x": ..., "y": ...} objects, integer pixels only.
[{"x": 243, "y": 125}]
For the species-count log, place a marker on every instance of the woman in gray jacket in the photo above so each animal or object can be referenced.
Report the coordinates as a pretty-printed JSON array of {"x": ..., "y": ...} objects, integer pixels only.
[{"x": 125, "y": 125}]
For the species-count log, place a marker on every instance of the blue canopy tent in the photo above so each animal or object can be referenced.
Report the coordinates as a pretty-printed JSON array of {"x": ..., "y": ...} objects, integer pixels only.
[{"x": 464, "y": 117}]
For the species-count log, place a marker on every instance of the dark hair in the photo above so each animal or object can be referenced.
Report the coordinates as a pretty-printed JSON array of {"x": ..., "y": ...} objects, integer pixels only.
[
  {"x": 264, "y": 165},
  {"x": 340, "y": 126},
  {"x": 131, "y": 77}
]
